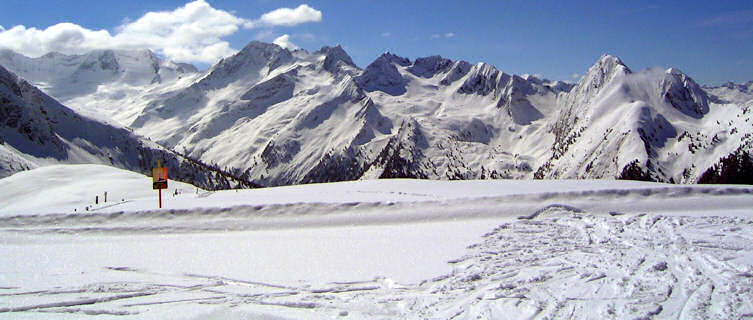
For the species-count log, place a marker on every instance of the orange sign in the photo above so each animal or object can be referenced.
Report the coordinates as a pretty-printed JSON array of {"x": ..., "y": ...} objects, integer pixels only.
[{"x": 159, "y": 178}]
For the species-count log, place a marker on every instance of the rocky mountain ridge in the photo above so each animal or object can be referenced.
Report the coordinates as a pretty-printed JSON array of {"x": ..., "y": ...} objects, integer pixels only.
[{"x": 276, "y": 117}]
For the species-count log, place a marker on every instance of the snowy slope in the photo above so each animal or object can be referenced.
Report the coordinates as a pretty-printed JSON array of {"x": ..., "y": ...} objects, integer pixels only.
[
  {"x": 280, "y": 117},
  {"x": 75, "y": 186},
  {"x": 409, "y": 249},
  {"x": 36, "y": 130},
  {"x": 11, "y": 161}
]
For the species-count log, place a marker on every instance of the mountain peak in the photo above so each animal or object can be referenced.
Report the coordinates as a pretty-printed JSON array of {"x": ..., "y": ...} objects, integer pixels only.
[
  {"x": 674, "y": 71},
  {"x": 600, "y": 74},
  {"x": 337, "y": 47},
  {"x": 684, "y": 94},
  {"x": 261, "y": 48},
  {"x": 458, "y": 69},
  {"x": 333, "y": 55},
  {"x": 392, "y": 58},
  {"x": 605, "y": 71},
  {"x": 101, "y": 60},
  {"x": 429, "y": 66},
  {"x": 609, "y": 57},
  {"x": 260, "y": 53},
  {"x": 482, "y": 79},
  {"x": 610, "y": 63},
  {"x": 486, "y": 68},
  {"x": 248, "y": 62},
  {"x": 382, "y": 75}
]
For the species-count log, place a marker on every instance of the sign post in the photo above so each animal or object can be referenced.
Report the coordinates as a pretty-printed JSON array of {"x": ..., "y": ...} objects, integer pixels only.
[{"x": 159, "y": 180}]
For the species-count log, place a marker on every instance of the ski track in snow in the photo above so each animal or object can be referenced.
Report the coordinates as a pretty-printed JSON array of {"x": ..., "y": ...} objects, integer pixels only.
[
  {"x": 293, "y": 215},
  {"x": 564, "y": 263},
  {"x": 570, "y": 258}
]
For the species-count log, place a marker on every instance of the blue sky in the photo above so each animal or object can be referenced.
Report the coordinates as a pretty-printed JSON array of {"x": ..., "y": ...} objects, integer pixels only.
[{"x": 712, "y": 41}]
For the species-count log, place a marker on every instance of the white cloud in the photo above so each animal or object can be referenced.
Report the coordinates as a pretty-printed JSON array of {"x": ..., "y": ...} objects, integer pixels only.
[
  {"x": 2, "y": 28},
  {"x": 62, "y": 37},
  {"x": 445, "y": 35},
  {"x": 193, "y": 33},
  {"x": 284, "y": 41},
  {"x": 575, "y": 75},
  {"x": 386, "y": 34},
  {"x": 290, "y": 17}
]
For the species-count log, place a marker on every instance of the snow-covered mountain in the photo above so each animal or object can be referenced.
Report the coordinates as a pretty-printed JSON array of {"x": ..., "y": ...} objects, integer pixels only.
[
  {"x": 731, "y": 93},
  {"x": 278, "y": 117},
  {"x": 651, "y": 125},
  {"x": 104, "y": 84},
  {"x": 68, "y": 76},
  {"x": 36, "y": 130}
]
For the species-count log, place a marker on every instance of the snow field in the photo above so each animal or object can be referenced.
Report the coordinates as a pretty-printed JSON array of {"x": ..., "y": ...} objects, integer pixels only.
[{"x": 378, "y": 249}]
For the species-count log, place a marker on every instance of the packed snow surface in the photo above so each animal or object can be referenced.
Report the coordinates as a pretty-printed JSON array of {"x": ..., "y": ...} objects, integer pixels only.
[{"x": 373, "y": 249}]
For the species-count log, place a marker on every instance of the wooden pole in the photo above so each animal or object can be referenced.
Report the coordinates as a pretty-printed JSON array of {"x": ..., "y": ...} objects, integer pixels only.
[{"x": 159, "y": 165}]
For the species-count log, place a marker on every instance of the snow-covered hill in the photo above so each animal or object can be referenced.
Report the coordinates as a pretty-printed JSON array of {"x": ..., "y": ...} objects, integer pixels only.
[
  {"x": 279, "y": 117},
  {"x": 36, "y": 130}
]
